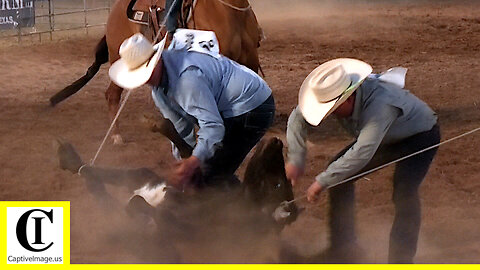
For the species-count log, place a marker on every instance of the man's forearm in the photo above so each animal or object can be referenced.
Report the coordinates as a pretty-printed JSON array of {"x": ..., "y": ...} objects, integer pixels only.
[
  {"x": 210, "y": 136},
  {"x": 296, "y": 138},
  {"x": 371, "y": 135}
]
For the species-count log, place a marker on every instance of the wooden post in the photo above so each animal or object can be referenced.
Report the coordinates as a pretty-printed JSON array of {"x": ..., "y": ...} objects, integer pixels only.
[
  {"x": 50, "y": 17},
  {"x": 19, "y": 31},
  {"x": 85, "y": 16}
]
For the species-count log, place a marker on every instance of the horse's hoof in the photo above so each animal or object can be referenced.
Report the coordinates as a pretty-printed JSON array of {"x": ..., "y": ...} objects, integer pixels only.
[
  {"x": 67, "y": 156},
  {"x": 117, "y": 139}
]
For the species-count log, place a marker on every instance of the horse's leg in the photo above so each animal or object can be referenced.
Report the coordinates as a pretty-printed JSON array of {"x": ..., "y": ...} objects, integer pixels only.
[
  {"x": 113, "y": 96},
  {"x": 249, "y": 44},
  {"x": 118, "y": 29},
  {"x": 166, "y": 128},
  {"x": 250, "y": 58}
]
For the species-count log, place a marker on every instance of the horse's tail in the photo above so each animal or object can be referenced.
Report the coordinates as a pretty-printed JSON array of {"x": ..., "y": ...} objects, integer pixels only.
[{"x": 101, "y": 57}]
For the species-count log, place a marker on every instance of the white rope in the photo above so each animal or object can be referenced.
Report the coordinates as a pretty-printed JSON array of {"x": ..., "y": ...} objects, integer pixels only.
[
  {"x": 190, "y": 13},
  {"x": 110, "y": 129},
  {"x": 395, "y": 161},
  {"x": 80, "y": 169},
  {"x": 234, "y": 7},
  {"x": 92, "y": 162}
]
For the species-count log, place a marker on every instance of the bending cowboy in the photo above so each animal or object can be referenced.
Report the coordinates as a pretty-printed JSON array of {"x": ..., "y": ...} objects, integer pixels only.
[
  {"x": 232, "y": 106},
  {"x": 388, "y": 122}
]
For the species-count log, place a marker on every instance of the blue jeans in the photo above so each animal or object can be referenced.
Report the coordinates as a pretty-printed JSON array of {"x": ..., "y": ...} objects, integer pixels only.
[
  {"x": 408, "y": 176},
  {"x": 242, "y": 133}
]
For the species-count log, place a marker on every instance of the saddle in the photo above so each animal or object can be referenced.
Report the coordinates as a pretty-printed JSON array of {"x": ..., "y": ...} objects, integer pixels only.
[{"x": 151, "y": 13}]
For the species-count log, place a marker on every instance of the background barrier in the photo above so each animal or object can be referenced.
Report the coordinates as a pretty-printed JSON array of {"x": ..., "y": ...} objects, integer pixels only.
[{"x": 43, "y": 19}]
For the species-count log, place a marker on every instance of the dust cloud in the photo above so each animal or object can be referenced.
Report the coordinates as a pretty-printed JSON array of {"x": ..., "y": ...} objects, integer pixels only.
[{"x": 218, "y": 228}]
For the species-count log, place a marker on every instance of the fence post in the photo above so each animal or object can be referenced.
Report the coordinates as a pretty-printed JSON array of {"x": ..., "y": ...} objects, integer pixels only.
[
  {"x": 50, "y": 21},
  {"x": 19, "y": 34},
  {"x": 85, "y": 16}
]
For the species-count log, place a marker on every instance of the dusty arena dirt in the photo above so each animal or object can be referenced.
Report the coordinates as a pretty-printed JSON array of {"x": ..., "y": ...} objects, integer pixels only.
[{"x": 437, "y": 41}]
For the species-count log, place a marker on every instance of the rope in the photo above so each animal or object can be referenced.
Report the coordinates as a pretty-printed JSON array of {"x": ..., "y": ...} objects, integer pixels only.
[
  {"x": 80, "y": 169},
  {"x": 191, "y": 14},
  {"x": 129, "y": 91},
  {"x": 164, "y": 21},
  {"x": 395, "y": 161},
  {"x": 234, "y": 7},
  {"x": 110, "y": 129}
]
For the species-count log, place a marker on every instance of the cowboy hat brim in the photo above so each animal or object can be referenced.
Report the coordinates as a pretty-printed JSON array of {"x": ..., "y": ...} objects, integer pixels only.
[
  {"x": 124, "y": 77},
  {"x": 315, "y": 111}
]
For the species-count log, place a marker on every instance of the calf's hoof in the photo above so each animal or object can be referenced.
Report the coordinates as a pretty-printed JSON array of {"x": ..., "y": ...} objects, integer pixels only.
[{"x": 67, "y": 156}]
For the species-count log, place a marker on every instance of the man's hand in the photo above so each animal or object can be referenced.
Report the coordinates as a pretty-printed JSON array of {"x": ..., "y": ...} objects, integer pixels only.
[
  {"x": 313, "y": 191},
  {"x": 293, "y": 173},
  {"x": 184, "y": 171}
]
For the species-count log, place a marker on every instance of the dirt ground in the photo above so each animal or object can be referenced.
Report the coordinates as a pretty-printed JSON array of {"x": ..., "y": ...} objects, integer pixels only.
[{"x": 437, "y": 41}]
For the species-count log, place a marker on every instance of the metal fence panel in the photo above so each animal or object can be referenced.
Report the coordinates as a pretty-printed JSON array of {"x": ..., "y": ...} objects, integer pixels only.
[{"x": 44, "y": 17}]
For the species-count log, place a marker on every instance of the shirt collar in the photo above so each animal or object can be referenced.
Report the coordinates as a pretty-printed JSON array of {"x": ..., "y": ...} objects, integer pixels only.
[{"x": 358, "y": 104}]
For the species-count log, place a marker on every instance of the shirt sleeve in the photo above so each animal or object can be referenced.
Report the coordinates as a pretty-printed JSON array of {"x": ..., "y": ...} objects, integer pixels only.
[
  {"x": 193, "y": 94},
  {"x": 183, "y": 126},
  {"x": 374, "y": 124},
  {"x": 296, "y": 138}
]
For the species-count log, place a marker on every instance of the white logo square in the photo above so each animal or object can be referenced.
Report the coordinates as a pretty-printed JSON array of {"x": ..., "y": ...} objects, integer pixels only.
[{"x": 34, "y": 235}]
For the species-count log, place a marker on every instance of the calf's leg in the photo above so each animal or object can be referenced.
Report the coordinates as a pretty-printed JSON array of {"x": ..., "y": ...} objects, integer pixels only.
[{"x": 96, "y": 177}]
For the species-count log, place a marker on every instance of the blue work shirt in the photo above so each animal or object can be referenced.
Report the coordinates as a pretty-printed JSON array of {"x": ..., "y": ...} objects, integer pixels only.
[
  {"x": 200, "y": 89},
  {"x": 383, "y": 114}
]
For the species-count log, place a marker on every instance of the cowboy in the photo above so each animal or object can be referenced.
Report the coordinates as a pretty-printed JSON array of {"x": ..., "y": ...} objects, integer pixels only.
[
  {"x": 388, "y": 122},
  {"x": 231, "y": 105}
]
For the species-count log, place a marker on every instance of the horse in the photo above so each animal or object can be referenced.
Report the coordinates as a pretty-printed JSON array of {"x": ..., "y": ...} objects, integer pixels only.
[{"x": 233, "y": 21}]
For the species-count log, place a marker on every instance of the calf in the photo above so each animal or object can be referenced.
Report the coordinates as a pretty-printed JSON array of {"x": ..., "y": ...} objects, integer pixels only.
[{"x": 264, "y": 188}]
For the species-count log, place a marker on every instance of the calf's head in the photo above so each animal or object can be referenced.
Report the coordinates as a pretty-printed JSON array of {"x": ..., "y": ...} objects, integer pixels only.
[{"x": 265, "y": 183}]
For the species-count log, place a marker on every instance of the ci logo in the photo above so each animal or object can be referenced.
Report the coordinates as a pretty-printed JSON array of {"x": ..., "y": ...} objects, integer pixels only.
[{"x": 22, "y": 230}]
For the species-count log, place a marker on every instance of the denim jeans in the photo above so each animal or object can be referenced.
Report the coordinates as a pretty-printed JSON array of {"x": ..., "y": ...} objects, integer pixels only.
[
  {"x": 172, "y": 19},
  {"x": 241, "y": 134},
  {"x": 408, "y": 176}
]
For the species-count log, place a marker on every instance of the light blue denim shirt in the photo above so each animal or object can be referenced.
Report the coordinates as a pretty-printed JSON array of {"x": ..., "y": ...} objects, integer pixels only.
[
  {"x": 200, "y": 89},
  {"x": 383, "y": 113}
]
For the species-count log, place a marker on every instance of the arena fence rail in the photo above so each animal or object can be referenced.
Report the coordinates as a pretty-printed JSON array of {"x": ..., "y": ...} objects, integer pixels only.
[{"x": 22, "y": 20}]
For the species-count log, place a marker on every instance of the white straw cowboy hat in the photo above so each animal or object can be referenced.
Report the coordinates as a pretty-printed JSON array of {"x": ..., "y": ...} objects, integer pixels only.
[
  {"x": 328, "y": 86},
  {"x": 138, "y": 59}
]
